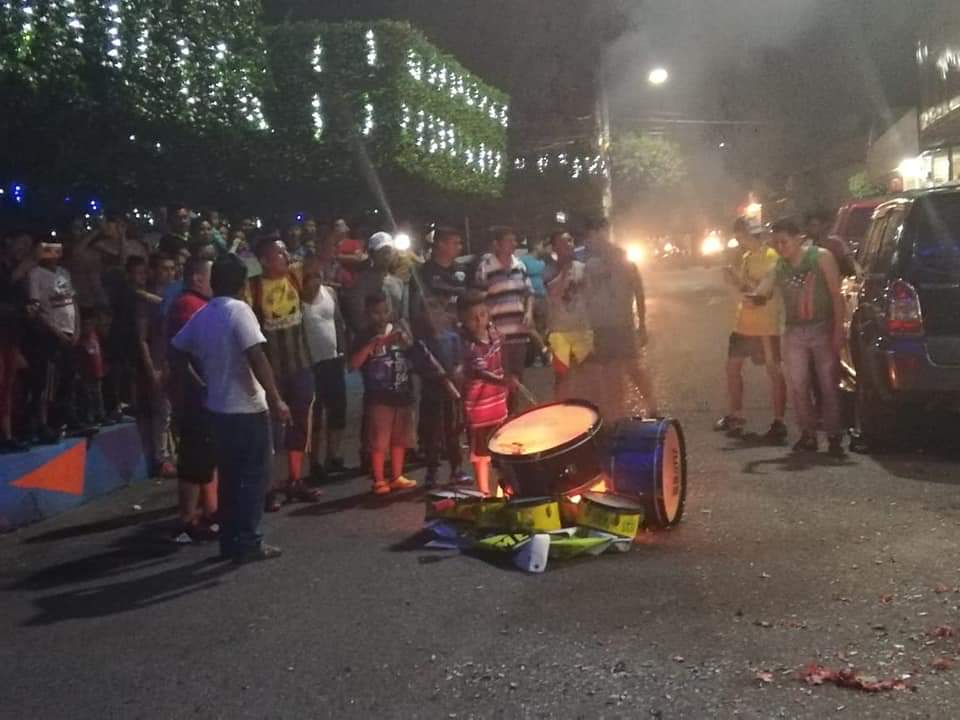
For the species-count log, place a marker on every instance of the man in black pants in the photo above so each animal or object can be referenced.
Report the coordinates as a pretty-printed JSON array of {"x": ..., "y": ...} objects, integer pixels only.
[
  {"x": 437, "y": 285},
  {"x": 225, "y": 339}
]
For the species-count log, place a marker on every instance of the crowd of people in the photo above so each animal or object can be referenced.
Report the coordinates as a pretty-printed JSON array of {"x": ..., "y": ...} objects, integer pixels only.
[{"x": 229, "y": 343}]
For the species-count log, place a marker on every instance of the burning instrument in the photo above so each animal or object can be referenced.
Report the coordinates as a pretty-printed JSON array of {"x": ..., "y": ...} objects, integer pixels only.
[{"x": 549, "y": 450}]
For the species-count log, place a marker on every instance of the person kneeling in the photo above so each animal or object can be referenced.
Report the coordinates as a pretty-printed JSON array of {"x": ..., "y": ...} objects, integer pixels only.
[{"x": 381, "y": 354}]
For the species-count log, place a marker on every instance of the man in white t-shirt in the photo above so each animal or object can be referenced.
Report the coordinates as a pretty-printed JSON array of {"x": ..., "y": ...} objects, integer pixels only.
[
  {"x": 51, "y": 293},
  {"x": 226, "y": 343}
]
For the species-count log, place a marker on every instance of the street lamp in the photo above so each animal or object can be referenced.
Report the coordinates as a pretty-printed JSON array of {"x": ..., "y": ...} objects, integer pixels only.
[{"x": 658, "y": 76}]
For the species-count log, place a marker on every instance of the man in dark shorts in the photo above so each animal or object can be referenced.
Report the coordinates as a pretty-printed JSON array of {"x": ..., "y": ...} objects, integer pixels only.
[
  {"x": 438, "y": 284},
  {"x": 196, "y": 470},
  {"x": 614, "y": 286},
  {"x": 756, "y": 334}
]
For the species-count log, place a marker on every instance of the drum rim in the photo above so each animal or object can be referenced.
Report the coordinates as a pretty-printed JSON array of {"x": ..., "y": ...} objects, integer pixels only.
[
  {"x": 573, "y": 444},
  {"x": 660, "y": 500}
]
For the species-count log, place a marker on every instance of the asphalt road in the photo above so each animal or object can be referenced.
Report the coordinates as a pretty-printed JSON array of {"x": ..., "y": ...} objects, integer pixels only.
[{"x": 780, "y": 562}]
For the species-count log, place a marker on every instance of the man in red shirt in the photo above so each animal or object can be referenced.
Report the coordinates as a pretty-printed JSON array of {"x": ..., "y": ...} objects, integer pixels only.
[{"x": 197, "y": 486}]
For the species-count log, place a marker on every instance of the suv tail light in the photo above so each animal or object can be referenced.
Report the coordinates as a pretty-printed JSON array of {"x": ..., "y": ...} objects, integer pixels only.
[{"x": 903, "y": 312}]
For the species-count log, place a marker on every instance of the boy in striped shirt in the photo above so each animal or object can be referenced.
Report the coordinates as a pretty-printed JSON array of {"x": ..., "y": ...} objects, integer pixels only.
[{"x": 506, "y": 282}]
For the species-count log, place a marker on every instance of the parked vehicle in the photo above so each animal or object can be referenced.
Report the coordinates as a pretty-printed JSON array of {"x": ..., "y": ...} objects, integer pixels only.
[
  {"x": 903, "y": 313},
  {"x": 852, "y": 221}
]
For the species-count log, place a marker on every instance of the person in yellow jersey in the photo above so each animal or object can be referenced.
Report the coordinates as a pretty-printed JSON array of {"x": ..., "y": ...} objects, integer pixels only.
[{"x": 756, "y": 334}]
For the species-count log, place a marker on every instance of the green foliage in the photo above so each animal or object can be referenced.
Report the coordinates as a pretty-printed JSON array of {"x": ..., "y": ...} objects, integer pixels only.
[
  {"x": 411, "y": 120},
  {"x": 643, "y": 162},
  {"x": 199, "y": 62},
  {"x": 166, "y": 95},
  {"x": 861, "y": 186}
]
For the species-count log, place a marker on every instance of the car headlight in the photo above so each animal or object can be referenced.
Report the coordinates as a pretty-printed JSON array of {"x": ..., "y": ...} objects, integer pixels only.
[
  {"x": 712, "y": 245},
  {"x": 637, "y": 254}
]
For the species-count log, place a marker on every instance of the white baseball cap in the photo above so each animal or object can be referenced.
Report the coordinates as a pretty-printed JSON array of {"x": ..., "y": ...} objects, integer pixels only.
[{"x": 379, "y": 240}]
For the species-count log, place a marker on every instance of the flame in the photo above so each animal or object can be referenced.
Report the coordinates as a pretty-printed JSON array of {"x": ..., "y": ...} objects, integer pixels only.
[{"x": 600, "y": 487}]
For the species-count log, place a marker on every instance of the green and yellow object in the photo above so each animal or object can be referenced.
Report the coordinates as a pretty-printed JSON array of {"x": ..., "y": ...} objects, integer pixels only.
[
  {"x": 533, "y": 515},
  {"x": 611, "y": 513}
]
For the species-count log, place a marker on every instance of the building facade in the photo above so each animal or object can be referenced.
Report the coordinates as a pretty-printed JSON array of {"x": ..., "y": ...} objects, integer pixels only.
[{"x": 938, "y": 57}]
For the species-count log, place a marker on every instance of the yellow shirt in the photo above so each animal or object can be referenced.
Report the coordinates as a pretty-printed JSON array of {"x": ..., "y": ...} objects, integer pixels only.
[{"x": 753, "y": 319}]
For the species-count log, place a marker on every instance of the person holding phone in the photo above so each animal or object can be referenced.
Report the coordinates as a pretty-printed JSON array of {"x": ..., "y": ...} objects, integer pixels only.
[{"x": 756, "y": 333}]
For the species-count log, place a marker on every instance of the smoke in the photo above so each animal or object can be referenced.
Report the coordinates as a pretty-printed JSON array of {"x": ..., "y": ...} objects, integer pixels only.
[{"x": 699, "y": 42}]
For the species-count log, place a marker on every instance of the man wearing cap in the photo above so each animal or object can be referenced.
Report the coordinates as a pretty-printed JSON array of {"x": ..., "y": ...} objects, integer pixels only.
[
  {"x": 756, "y": 333},
  {"x": 375, "y": 278}
]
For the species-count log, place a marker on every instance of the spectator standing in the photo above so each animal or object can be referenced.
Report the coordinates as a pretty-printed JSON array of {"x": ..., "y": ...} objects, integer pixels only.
[
  {"x": 534, "y": 262},
  {"x": 510, "y": 301},
  {"x": 51, "y": 293},
  {"x": 756, "y": 334},
  {"x": 11, "y": 363},
  {"x": 275, "y": 297},
  {"x": 569, "y": 333},
  {"x": 92, "y": 368},
  {"x": 437, "y": 286},
  {"x": 350, "y": 252},
  {"x": 296, "y": 250},
  {"x": 809, "y": 280},
  {"x": 82, "y": 259},
  {"x": 380, "y": 353},
  {"x": 225, "y": 339},
  {"x": 614, "y": 294},
  {"x": 375, "y": 278},
  {"x": 153, "y": 341},
  {"x": 323, "y": 326},
  {"x": 196, "y": 466}
]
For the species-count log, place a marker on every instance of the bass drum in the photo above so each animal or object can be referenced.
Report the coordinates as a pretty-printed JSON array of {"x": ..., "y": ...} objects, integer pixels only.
[
  {"x": 648, "y": 460},
  {"x": 549, "y": 450}
]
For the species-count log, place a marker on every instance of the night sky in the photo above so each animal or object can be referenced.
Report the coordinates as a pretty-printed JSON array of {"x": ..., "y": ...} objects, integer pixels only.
[{"x": 815, "y": 71}]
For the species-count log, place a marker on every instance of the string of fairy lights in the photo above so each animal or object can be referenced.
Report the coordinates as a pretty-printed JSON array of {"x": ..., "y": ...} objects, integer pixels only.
[{"x": 173, "y": 62}]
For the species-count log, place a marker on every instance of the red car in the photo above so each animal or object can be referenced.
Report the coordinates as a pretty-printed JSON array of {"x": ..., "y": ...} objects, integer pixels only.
[{"x": 853, "y": 220}]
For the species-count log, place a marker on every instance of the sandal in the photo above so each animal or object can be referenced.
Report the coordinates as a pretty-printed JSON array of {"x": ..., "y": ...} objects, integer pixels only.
[
  {"x": 301, "y": 493},
  {"x": 271, "y": 502},
  {"x": 381, "y": 488}
]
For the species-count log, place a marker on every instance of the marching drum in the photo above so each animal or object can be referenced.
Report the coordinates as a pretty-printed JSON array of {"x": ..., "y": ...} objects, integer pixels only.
[
  {"x": 648, "y": 460},
  {"x": 549, "y": 450}
]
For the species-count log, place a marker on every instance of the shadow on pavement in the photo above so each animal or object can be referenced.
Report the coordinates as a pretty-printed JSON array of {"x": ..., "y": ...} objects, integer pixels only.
[
  {"x": 102, "y": 526},
  {"x": 120, "y": 570},
  {"x": 362, "y": 501},
  {"x": 797, "y": 462}
]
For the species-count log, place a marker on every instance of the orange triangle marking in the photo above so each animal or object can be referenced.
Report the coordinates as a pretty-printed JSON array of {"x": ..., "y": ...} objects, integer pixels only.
[{"x": 62, "y": 474}]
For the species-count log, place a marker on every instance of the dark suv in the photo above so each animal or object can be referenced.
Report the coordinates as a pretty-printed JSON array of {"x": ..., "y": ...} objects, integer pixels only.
[{"x": 903, "y": 313}]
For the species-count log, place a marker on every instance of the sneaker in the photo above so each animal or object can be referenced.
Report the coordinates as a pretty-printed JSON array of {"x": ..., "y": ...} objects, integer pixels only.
[
  {"x": 46, "y": 435},
  {"x": 806, "y": 443},
  {"x": 730, "y": 424},
  {"x": 403, "y": 483},
  {"x": 263, "y": 552},
  {"x": 776, "y": 433},
  {"x": 183, "y": 535},
  {"x": 318, "y": 476},
  {"x": 335, "y": 466},
  {"x": 381, "y": 488},
  {"x": 167, "y": 470},
  {"x": 460, "y": 478},
  {"x": 835, "y": 446}
]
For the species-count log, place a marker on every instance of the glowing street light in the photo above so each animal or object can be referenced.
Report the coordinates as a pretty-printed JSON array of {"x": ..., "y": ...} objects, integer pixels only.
[{"x": 658, "y": 76}]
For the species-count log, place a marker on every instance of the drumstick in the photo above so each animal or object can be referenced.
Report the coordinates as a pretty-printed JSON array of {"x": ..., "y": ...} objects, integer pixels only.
[
  {"x": 527, "y": 395},
  {"x": 447, "y": 382}
]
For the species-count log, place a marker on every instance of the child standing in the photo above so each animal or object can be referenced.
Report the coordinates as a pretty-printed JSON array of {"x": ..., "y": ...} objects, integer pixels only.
[
  {"x": 380, "y": 353},
  {"x": 485, "y": 385}
]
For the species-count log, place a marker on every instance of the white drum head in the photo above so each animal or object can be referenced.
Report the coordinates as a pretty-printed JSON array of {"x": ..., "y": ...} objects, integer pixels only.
[
  {"x": 542, "y": 429},
  {"x": 672, "y": 474}
]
